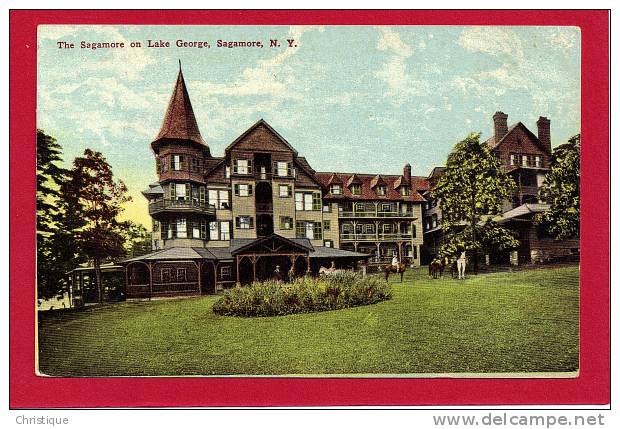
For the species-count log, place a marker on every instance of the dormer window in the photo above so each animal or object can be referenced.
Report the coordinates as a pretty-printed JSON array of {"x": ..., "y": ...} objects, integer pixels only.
[
  {"x": 404, "y": 191},
  {"x": 381, "y": 190},
  {"x": 336, "y": 189},
  {"x": 356, "y": 189}
]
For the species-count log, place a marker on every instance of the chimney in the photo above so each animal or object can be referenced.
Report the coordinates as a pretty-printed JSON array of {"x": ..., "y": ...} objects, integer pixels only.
[
  {"x": 500, "y": 125},
  {"x": 407, "y": 173},
  {"x": 544, "y": 132}
]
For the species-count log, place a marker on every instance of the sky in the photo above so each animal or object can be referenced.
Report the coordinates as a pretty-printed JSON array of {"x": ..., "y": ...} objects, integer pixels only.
[{"x": 348, "y": 98}]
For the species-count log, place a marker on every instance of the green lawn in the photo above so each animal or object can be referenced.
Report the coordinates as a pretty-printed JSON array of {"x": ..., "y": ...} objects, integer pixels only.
[{"x": 525, "y": 321}]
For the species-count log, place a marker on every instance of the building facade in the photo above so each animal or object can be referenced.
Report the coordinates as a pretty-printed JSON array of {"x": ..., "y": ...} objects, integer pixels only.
[
  {"x": 261, "y": 209},
  {"x": 526, "y": 157}
]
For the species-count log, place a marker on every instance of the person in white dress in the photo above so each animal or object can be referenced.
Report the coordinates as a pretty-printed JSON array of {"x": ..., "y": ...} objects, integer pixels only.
[{"x": 460, "y": 264}]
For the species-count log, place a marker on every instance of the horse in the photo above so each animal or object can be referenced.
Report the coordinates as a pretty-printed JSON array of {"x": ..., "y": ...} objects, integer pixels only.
[
  {"x": 436, "y": 268},
  {"x": 400, "y": 269}
]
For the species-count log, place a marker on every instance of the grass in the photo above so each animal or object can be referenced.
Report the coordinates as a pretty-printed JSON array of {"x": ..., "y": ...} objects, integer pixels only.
[{"x": 525, "y": 321}]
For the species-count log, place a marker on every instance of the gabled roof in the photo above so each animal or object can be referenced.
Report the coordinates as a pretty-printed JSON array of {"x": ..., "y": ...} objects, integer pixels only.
[
  {"x": 260, "y": 122},
  {"x": 401, "y": 181},
  {"x": 376, "y": 181},
  {"x": 179, "y": 121},
  {"x": 522, "y": 210},
  {"x": 238, "y": 245},
  {"x": 353, "y": 180},
  {"x": 494, "y": 144},
  {"x": 334, "y": 180},
  {"x": 418, "y": 184}
]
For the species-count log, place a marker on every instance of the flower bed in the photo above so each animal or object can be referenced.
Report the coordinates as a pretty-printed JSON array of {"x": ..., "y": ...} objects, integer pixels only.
[{"x": 305, "y": 295}]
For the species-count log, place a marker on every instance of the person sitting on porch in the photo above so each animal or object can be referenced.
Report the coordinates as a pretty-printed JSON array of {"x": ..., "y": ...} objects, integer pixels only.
[
  {"x": 277, "y": 275},
  {"x": 333, "y": 266}
]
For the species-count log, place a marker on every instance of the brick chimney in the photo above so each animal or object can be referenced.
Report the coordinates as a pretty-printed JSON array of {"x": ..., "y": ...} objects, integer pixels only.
[
  {"x": 500, "y": 125},
  {"x": 407, "y": 172},
  {"x": 544, "y": 132}
]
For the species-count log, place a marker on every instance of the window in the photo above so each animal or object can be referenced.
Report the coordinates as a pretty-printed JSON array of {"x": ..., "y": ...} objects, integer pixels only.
[
  {"x": 369, "y": 228},
  {"x": 242, "y": 166},
  {"x": 413, "y": 230},
  {"x": 178, "y": 162},
  {"x": 181, "y": 274},
  {"x": 514, "y": 159},
  {"x": 157, "y": 165},
  {"x": 244, "y": 222},
  {"x": 307, "y": 229},
  {"x": 307, "y": 201},
  {"x": 415, "y": 252},
  {"x": 286, "y": 222},
  {"x": 282, "y": 169},
  {"x": 381, "y": 190},
  {"x": 196, "y": 230},
  {"x": 219, "y": 199},
  {"x": 537, "y": 161},
  {"x": 327, "y": 208},
  {"x": 179, "y": 191},
  {"x": 165, "y": 275},
  {"x": 181, "y": 227},
  {"x": 386, "y": 208},
  {"x": 404, "y": 191},
  {"x": 356, "y": 189},
  {"x": 387, "y": 228},
  {"x": 360, "y": 207},
  {"x": 243, "y": 189},
  {"x": 227, "y": 172},
  {"x": 328, "y": 243},
  {"x": 326, "y": 225},
  {"x": 225, "y": 272},
  {"x": 196, "y": 164},
  {"x": 285, "y": 191},
  {"x": 336, "y": 189},
  {"x": 434, "y": 220},
  {"x": 219, "y": 230}
]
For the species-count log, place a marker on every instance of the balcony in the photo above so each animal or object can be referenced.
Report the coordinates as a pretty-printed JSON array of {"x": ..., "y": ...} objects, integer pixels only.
[
  {"x": 375, "y": 237},
  {"x": 188, "y": 206},
  {"x": 379, "y": 214}
]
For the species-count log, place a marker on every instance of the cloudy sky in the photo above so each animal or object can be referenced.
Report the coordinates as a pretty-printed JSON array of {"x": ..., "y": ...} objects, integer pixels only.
[{"x": 365, "y": 99}]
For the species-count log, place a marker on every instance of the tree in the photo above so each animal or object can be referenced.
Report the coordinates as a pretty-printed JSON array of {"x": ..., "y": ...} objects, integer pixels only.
[
  {"x": 51, "y": 266},
  {"x": 137, "y": 240},
  {"x": 93, "y": 201},
  {"x": 472, "y": 191},
  {"x": 561, "y": 191}
]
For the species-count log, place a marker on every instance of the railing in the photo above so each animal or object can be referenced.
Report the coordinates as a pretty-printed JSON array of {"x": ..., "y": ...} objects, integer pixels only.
[
  {"x": 166, "y": 204},
  {"x": 375, "y": 214},
  {"x": 375, "y": 237}
]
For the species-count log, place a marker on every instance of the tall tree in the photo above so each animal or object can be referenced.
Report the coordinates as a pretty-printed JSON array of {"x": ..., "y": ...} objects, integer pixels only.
[
  {"x": 561, "y": 191},
  {"x": 93, "y": 201},
  {"x": 472, "y": 191},
  {"x": 137, "y": 240},
  {"x": 50, "y": 176}
]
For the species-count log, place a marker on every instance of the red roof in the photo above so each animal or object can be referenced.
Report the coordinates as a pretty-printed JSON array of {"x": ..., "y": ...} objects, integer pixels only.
[
  {"x": 369, "y": 182},
  {"x": 180, "y": 121}
]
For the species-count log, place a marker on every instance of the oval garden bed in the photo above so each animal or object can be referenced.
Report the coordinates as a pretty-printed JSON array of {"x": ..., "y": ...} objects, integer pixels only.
[{"x": 305, "y": 295}]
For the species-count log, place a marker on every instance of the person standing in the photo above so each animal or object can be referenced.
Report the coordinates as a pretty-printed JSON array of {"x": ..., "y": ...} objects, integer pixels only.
[{"x": 460, "y": 264}]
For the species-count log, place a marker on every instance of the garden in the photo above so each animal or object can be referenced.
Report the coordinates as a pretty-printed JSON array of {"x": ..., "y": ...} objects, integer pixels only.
[{"x": 505, "y": 322}]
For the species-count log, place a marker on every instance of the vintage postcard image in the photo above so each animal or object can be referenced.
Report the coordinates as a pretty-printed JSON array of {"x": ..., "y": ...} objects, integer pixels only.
[{"x": 398, "y": 201}]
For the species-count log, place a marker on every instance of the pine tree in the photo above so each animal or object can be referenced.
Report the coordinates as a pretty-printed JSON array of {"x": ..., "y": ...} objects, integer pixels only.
[{"x": 472, "y": 191}]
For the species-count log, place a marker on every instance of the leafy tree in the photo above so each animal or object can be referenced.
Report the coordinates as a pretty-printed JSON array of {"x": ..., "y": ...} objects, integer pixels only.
[
  {"x": 561, "y": 191},
  {"x": 137, "y": 240},
  {"x": 50, "y": 175},
  {"x": 93, "y": 201},
  {"x": 472, "y": 191}
]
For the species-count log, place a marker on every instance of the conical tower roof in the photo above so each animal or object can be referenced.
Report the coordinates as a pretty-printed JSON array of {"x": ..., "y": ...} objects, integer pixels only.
[{"x": 180, "y": 122}]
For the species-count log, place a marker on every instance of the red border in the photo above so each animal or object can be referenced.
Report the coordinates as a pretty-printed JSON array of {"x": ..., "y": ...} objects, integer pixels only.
[{"x": 591, "y": 387}]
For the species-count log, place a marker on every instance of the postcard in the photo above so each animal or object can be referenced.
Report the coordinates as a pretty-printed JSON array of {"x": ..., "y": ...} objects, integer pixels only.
[{"x": 309, "y": 202}]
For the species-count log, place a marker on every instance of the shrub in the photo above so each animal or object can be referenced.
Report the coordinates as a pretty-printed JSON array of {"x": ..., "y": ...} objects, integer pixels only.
[{"x": 304, "y": 295}]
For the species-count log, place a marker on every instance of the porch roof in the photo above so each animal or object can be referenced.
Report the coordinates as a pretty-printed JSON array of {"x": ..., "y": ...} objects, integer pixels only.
[
  {"x": 522, "y": 210},
  {"x": 331, "y": 252}
]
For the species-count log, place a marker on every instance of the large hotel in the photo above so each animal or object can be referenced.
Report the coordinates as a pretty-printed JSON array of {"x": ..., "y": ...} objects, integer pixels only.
[{"x": 261, "y": 208}]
